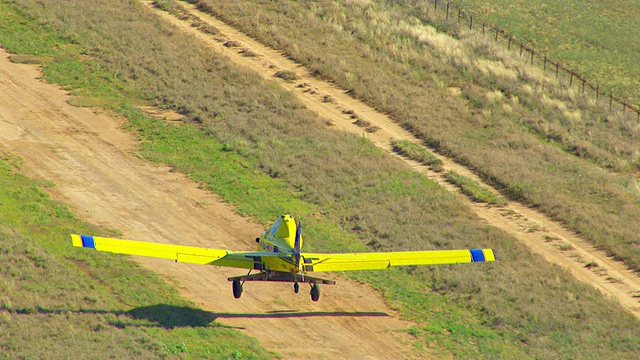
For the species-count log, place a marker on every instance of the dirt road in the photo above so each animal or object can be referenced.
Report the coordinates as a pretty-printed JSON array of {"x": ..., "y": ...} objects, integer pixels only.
[{"x": 542, "y": 235}]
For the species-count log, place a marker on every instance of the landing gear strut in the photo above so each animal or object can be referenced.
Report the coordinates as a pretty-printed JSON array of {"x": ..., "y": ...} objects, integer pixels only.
[
  {"x": 315, "y": 292},
  {"x": 237, "y": 289},
  {"x": 296, "y": 287}
]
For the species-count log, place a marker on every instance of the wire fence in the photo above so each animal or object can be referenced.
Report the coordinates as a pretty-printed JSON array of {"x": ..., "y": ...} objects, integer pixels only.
[{"x": 603, "y": 98}]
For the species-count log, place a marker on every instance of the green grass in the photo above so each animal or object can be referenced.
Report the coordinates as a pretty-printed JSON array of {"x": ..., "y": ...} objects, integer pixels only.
[
  {"x": 256, "y": 146},
  {"x": 415, "y": 152},
  {"x": 57, "y": 301},
  {"x": 474, "y": 190},
  {"x": 593, "y": 38}
]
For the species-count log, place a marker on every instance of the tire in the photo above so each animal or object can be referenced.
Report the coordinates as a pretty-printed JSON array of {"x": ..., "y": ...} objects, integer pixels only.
[
  {"x": 237, "y": 289},
  {"x": 315, "y": 292}
]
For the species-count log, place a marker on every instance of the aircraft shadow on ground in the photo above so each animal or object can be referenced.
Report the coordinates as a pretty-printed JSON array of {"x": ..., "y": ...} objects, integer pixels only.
[
  {"x": 172, "y": 316},
  {"x": 183, "y": 316}
]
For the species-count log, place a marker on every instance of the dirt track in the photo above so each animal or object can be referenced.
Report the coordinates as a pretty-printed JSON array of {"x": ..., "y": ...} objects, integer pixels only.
[{"x": 89, "y": 159}]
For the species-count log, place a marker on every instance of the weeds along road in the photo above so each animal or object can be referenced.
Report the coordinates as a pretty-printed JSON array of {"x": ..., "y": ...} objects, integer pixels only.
[
  {"x": 89, "y": 159},
  {"x": 542, "y": 235}
]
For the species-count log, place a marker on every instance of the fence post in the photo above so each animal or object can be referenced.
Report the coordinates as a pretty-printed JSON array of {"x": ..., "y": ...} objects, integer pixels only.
[
  {"x": 447, "y": 17},
  {"x": 483, "y": 25},
  {"x": 510, "y": 39},
  {"x": 610, "y": 101},
  {"x": 521, "y": 45},
  {"x": 496, "y": 34},
  {"x": 583, "y": 83},
  {"x": 532, "y": 51},
  {"x": 435, "y": 6},
  {"x": 471, "y": 22},
  {"x": 571, "y": 79},
  {"x": 544, "y": 68},
  {"x": 557, "y": 69}
]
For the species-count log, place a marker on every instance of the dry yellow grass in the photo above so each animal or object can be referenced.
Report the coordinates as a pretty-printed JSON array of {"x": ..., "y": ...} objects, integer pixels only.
[{"x": 540, "y": 115}]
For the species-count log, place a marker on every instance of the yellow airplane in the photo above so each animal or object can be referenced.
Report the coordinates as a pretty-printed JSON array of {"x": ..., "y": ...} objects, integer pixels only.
[{"x": 280, "y": 257}]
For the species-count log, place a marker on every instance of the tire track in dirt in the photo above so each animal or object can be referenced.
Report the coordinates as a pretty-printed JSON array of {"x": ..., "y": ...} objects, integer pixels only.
[
  {"x": 89, "y": 158},
  {"x": 539, "y": 233}
]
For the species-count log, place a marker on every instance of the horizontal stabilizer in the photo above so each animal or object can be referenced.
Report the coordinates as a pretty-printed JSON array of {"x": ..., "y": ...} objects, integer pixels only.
[{"x": 282, "y": 277}]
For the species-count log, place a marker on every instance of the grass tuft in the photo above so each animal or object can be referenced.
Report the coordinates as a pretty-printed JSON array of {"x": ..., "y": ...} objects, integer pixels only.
[
  {"x": 415, "y": 152},
  {"x": 474, "y": 190},
  {"x": 286, "y": 75}
]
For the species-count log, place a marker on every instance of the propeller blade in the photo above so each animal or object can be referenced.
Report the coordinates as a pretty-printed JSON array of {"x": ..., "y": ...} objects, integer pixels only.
[{"x": 296, "y": 245}]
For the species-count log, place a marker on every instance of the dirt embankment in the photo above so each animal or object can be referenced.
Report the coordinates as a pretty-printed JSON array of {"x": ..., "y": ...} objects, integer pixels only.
[{"x": 542, "y": 235}]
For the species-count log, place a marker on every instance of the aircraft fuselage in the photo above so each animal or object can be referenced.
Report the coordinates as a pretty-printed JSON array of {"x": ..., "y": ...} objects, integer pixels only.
[{"x": 281, "y": 238}]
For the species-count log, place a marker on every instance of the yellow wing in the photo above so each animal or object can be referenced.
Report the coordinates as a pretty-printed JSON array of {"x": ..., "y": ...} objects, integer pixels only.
[
  {"x": 385, "y": 260},
  {"x": 178, "y": 253},
  {"x": 312, "y": 262}
]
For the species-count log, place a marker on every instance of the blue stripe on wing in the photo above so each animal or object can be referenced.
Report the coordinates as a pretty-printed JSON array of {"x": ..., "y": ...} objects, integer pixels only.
[
  {"x": 477, "y": 255},
  {"x": 87, "y": 241}
]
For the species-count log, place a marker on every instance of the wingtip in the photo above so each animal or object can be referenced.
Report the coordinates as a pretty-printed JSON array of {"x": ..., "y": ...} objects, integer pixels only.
[
  {"x": 76, "y": 240},
  {"x": 495, "y": 255},
  {"x": 84, "y": 241},
  {"x": 482, "y": 255}
]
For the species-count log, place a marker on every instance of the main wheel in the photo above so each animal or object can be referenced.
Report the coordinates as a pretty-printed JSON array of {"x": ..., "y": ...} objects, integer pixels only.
[
  {"x": 315, "y": 292},
  {"x": 296, "y": 287},
  {"x": 237, "y": 289}
]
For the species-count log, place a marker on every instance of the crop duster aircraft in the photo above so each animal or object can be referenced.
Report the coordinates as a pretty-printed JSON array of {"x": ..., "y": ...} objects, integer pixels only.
[{"x": 279, "y": 257}]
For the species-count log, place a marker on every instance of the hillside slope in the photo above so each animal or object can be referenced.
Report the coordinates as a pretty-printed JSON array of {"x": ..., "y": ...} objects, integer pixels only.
[
  {"x": 468, "y": 97},
  {"x": 528, "y": 225},
  {"x": 89, "y": 158},
  {"x": 259, "y": 147}
]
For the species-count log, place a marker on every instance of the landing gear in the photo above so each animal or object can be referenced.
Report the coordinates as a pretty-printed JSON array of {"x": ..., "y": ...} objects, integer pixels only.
[
  {"x": 237, "y": 289},
  {"x": 287, "y": 278},
  {"x": 315, "y": 292}
]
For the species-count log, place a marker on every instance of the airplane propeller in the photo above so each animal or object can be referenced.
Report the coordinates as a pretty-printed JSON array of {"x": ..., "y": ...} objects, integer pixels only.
[
  {"x": 296, "y": 245},
  {"x": 296, "y": 252}
]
